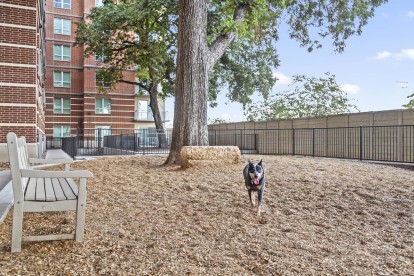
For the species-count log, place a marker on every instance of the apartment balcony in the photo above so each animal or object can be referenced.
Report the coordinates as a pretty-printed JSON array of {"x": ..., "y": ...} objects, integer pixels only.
[{"x": 146, "y": 116}]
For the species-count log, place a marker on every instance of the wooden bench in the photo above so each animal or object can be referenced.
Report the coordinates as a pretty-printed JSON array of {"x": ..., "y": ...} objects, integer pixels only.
[
  {"x": 6, "y": 187},
  {"x": 43, "y": 191},
  {"x": 6, "y": 194}
]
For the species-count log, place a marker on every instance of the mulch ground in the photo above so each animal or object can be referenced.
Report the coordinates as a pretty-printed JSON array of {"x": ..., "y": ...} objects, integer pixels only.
[
  {"x": 320, "y": 216},
  {"x": 4, "y": 166}
]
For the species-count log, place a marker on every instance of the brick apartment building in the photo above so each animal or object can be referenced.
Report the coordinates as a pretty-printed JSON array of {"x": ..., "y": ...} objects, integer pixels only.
[
  {"x": 22, "y": 40},
  {"x": 73, "y": 103}
]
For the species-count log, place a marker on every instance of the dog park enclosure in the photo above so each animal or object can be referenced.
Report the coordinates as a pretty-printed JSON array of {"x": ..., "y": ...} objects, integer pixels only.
[
  {"x": 383, "y": 136},
  {"x": 380, "y": 136}
]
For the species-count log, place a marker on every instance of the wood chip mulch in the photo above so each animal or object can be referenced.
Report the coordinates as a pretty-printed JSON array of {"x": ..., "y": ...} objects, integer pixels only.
[
  {"x": 4, "y": 166},
  {"x": 320, "y": 216}
]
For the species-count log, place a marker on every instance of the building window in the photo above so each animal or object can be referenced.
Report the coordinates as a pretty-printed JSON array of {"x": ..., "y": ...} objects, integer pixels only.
[
  {"x": 144, "y": 112},
  {"x": 99, "y": 3},
  {"x": 61, "y": 131},
  {"x": 61, "y": 52},
  {"x": 61, "y": 105},
  {"x": 102, "y": 81},
  {"x": 61, "y": 26},
  {"x": 61, "y": 79},
  {"x": 62, "y": 4},
  {"x": 100, "y": 58},
  {"x": 102, "y": 106}
]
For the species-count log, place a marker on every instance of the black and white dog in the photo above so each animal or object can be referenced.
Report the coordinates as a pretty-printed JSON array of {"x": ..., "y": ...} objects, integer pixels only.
[{"x": 254, "y": 178}]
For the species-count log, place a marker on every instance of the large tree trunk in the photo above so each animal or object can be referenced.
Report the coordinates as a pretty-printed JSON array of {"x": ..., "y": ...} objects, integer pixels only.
[
  {"x": 190, "y": 110},
  {"x": 195, "y": 59}
]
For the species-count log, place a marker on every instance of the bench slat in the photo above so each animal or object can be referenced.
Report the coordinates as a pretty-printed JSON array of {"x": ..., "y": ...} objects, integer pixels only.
[
  {"x": 40, "y": 190},
  {"x": 31, "y": 190},
  {"x": 66, "y": 189},
  {"x": 60, "y": 195},
  {"x": 50, "y": 194},
  {"x": 73, "y": 186}
]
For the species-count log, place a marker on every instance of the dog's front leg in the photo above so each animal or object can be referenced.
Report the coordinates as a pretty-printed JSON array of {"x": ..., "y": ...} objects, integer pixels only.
[
  {"x": 251, "y": 198},
  {"x": 259, "y": 200}
]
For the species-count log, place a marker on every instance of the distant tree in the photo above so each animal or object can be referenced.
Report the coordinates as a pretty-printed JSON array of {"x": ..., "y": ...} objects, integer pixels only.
[
  {"x": 410, "y": 104},
  {"x": 217, "y": 121},
  {"x": 309, "y": 97},
  {"x": 200, "y": 48}
]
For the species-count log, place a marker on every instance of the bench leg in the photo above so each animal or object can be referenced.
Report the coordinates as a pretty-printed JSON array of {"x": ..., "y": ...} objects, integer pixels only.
[
  {"x": 17, "y": 227},
  {"x": 81, "y": 210}
]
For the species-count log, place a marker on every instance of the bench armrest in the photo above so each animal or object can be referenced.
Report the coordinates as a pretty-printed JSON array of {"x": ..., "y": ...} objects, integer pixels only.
[
  {"x": 56, "y": 174},
  {"x": 50, "y": 161}
]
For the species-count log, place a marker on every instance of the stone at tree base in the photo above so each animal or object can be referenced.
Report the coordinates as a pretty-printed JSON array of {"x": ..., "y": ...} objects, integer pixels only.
[{"x": 199, "y": 155}]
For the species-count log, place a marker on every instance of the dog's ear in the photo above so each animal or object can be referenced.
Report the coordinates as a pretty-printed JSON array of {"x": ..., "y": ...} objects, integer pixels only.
[
  {"x": 260, "y": 163},
  {"x": 250, "y": 162}
]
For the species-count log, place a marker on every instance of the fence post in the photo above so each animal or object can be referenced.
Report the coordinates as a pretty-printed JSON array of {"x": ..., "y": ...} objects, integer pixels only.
[
  {"x": 360, "y": 142},
  {"x": 99, "y": 140},
  {"x": 72, "y": 139},
  {"x": 313, "y": 142},
  {"x": 215, "y": 137},
  {"x": 121, "y": 146},
  {"x": 293, "y": 141},
  {"x": 241, "y": 142},
  {"x": 135, "y": 141},
  {"x": 143, "y": 142}
]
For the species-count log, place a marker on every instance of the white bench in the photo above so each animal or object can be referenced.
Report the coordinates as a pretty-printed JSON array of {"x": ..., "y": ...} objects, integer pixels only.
[
  {"x": 6, "y": 187},
  {"x": 6, "y": 194},
  {"x": 43, "y": 191}
]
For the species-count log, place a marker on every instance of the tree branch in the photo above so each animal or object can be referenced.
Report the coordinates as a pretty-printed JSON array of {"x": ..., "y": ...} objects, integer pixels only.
[
  {"x": 140, "y": 84},
  {"x": 223, "y": 41}
]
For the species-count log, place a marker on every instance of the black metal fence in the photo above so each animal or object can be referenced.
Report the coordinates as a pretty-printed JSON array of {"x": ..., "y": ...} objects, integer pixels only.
[
  {"x": 101, "y": 141},
  {"x": 379, "y": 143},
  {"x": 70, "y": 146}
]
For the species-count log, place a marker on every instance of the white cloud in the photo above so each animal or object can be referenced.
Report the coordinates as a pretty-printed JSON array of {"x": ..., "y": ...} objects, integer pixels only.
[
  {"x": 350, "y": 88},
  {"x": 282, "y": 78},
  {"x": 383, "y": 55},
  {"x": 405, "y": 53},
  {"x": 410, "y": 13}
]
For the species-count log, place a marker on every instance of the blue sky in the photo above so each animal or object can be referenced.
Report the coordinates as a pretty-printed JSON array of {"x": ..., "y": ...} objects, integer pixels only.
[{"x": 373, "y": 69}]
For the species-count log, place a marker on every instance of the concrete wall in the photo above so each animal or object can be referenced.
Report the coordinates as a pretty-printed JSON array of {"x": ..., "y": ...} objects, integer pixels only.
[{"x": 374, "y": 118}]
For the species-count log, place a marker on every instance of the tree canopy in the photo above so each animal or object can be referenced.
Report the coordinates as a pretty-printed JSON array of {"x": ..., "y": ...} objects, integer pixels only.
[
  {"x": 137, "y": 35},
  {"x": 142, "y": 34},
  {"x": 309, "y": 97}
]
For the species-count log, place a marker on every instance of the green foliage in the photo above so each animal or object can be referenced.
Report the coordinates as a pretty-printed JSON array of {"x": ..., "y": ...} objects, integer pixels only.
[
  {"x": 217, "y": 121},
  {"x": 246, "y": 67},
  {"x": 142, "y": 35},
  {"x": 133, "y": 35},
  {"x": 410, "y": 104},
  {"x": 309, "y": 97}
]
